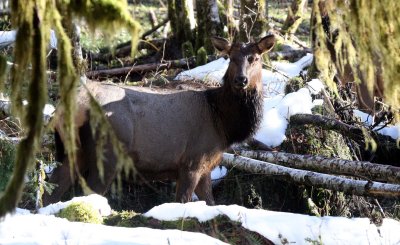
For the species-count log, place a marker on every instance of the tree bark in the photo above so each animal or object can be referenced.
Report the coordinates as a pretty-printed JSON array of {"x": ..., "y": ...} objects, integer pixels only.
[
  {"x": 349, "y": 186},
  {"x": 181, "y": 15},
  {"x": 295, "y": 17},
  {"x": 322, "y": 164},
  {"x": 253, "y": 22},
  {"x": 208, "y": 24}
]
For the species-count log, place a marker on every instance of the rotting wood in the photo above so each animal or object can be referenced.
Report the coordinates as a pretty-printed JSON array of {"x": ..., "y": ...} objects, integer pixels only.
[
  {"x": 327, "y": 165},
  {"x": 349, "y": 186}
]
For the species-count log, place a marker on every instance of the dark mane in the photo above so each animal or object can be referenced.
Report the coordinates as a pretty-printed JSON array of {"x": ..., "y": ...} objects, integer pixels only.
[{"x": 237, "y": 115}]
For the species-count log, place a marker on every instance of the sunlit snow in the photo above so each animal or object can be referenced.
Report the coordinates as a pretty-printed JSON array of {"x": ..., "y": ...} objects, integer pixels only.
[
  {"x": 292, "y": 228},
  {"x": 279, "y": 227}
]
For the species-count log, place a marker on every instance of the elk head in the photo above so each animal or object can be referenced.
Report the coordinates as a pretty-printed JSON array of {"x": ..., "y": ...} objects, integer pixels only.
[{"x": 244, "y": 70}]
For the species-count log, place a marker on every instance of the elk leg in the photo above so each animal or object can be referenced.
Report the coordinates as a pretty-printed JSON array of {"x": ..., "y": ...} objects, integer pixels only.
[
  {"x": 185, "y": 186},
  {"x": 204, "y": 189}
]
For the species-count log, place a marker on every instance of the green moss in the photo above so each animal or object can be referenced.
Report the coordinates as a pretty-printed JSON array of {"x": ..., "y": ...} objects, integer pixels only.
[
  {"x": 187, "y": 49},
  {"x": 81, "y": 212},
  {"x": 201, "y": 58},
  {"x": 7, "y": 158},
  {"x": 294, "y": 84}
]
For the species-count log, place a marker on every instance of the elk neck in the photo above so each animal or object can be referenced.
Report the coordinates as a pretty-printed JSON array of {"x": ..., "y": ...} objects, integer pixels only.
[{"x": 237, "y": 114}]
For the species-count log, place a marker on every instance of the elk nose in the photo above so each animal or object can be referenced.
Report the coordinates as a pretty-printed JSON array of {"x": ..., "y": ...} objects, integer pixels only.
[{"x": 241, "y": 81}]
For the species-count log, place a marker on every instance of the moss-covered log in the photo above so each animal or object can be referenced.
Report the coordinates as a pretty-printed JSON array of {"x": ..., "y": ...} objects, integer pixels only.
[{"x": 221, "y": 227}]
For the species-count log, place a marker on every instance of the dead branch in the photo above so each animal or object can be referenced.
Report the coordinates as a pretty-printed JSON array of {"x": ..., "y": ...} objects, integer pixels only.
[
  {"x": 181, "y": 63},
  {"x": 124, "y": 50},
  {"x": 349, "y": 186},
  {"x": 155, "y": 28},
  {"x": 328, "y": 123},
  {"x": 327, "y": 165}
]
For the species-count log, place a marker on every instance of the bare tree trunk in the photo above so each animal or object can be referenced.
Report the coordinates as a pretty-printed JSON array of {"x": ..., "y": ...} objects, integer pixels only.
[
  {"x": 208, "y": 23},
  {"x": 181, "y": 15},
  {"x": 356, "y": 187}
]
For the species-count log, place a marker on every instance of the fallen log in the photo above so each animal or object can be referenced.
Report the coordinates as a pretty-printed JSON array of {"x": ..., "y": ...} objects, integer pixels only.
[
  {"x": 124, "y": 50},
  {"x": 169, "y": 64},
  {"x": 322, "y": 164},
  {"x": 349, "y": 186},
  {"x": 294, "y": 54}
]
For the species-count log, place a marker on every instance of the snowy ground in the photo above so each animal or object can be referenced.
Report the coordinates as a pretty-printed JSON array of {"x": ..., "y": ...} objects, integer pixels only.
[{"x": 281, "y": 228}]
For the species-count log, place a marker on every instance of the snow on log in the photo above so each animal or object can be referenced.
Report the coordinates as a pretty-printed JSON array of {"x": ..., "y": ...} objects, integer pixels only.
[
  {"x": 350, "y": 186},
  {"x": 327, "y": 165}
]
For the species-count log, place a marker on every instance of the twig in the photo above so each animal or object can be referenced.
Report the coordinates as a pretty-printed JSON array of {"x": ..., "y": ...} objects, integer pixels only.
[{"x": 155, "y": 28}]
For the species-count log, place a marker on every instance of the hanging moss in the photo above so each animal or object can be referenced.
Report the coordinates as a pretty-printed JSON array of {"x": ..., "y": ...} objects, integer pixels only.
[
  {"x": 33, "y": 19},
  {"x": 187, "y": 49},
  {"x": 7, "y": 158},
  {"x": 366, "y": 38}
]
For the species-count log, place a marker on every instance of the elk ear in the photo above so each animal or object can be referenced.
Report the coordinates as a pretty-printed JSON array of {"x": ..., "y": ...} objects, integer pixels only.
[
  {"x": 266, "y": 43},
  {"x": 221, "y": 44}
]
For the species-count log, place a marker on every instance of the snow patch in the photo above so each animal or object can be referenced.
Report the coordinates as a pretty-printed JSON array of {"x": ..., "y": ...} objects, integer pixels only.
[
  {"x": 295, "y": 228},
  {"x": 213, "y": 71},
  {"x": 294, "y": 69},
  {"x": 46, "y": 230}
]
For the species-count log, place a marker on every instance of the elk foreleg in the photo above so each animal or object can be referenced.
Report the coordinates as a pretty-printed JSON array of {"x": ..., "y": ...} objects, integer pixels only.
[
  {"x": 185, "y": 185},
  {"x": 204, "y": 189}
]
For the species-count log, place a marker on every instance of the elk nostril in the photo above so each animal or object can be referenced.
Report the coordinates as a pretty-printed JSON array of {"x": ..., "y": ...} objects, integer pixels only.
[{"x": 241, "y": 81}]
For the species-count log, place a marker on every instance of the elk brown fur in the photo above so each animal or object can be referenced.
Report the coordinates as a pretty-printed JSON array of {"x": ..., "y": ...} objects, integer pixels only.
[{"x": 177, "y": 135}]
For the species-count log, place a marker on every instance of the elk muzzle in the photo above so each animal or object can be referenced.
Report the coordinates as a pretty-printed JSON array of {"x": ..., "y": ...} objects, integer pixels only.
[{"x": 241, "y": 82}]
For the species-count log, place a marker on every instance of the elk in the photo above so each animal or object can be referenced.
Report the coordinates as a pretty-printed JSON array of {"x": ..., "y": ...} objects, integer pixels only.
[{"x": 176, "y": 135}]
